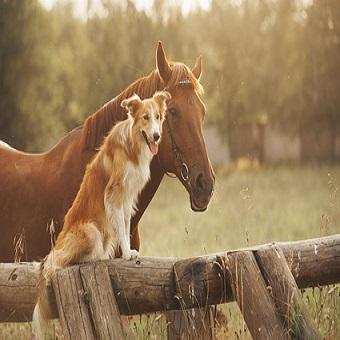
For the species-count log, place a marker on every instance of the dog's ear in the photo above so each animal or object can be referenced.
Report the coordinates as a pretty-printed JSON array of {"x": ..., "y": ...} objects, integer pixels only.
[
  {"x": 132, "y": 104},
  {"x": 160, "y": 98}
]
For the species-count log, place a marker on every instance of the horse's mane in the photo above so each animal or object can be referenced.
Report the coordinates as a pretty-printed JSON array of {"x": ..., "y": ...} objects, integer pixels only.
[{"x": 97, "y": 126}]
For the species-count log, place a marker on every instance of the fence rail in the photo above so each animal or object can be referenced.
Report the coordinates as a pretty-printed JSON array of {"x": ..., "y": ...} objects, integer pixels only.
[{"x": 151, "y": 284}]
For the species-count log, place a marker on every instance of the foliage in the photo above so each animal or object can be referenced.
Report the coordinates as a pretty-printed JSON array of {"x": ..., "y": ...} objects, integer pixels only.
[{"x": 275, "y": 61}]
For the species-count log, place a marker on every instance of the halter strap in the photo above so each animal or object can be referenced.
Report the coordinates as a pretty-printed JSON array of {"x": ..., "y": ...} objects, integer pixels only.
[
  {"x": 184, "y": 170},
  {"x": 181, "y": 164}
]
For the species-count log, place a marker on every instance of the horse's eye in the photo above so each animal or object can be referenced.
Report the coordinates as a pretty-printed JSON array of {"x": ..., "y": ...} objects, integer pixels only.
[
  {"x": 173, "y": 111},
  {"x": 146, "y": 117},
  {"x": 157, "y": 116}
]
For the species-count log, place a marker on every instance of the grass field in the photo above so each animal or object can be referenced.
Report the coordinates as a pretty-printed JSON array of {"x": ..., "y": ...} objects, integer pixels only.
[
  {"x": 248, "y": 208},
  {"x": 251, "y": 207}
]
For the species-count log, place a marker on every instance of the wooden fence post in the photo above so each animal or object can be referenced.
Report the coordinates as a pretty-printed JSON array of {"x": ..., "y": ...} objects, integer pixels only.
[
  {"x": 286, "y": 294},
  {"x": 252, "y": 296},
  {"x": 86, "y": 303},
  {"x": 190, "y": 324},
  {"x": 191, "y": 289}
]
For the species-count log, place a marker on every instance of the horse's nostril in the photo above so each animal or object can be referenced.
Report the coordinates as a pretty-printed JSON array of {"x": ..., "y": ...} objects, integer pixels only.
[
  {"x": 156, "y": 136},
  {"x": 200, "y": 182}
]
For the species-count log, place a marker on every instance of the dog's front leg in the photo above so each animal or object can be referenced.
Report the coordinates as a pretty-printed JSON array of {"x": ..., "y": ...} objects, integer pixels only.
[
  {"x": 127, "y": 217},
  {"x": 119, "y": 224},
  {"x": 114, "y": 211},
  {"x": 116, "y": 218}
]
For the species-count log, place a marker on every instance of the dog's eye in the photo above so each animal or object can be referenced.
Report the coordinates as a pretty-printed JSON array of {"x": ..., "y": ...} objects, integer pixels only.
[{"x": 146, "y": 117}]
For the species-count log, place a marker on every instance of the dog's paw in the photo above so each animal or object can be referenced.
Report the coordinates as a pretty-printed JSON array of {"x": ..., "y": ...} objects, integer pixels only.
[
  {"x": 126, "y": 256},
  {"x": 134, "y": 254},
  {"x": 130, "y": 255}
]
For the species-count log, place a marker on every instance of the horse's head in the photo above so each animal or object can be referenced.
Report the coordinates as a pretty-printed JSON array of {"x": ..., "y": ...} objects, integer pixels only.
[{"x": 183, "y": 150}]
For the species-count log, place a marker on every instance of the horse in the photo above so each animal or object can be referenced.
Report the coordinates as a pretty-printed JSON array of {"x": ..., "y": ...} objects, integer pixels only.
[{"x": 37, "y": 190}]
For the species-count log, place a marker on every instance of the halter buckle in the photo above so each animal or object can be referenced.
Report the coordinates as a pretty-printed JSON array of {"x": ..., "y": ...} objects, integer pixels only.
[{"x": 184, "y": 172}]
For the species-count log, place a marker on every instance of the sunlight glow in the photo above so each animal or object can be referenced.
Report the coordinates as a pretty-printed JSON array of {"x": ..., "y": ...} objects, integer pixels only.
[{"x": 80, "y": 6}]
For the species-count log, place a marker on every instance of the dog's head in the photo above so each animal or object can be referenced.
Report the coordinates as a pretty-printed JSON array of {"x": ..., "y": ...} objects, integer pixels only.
[{"x": 148, "y": 116}]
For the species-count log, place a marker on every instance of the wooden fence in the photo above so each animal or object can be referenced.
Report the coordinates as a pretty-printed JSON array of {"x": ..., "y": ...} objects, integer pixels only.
[{"x": 263, "y": 280}]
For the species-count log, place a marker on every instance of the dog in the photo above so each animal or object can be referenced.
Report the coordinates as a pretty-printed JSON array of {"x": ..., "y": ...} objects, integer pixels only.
[{"x": 97, "y": 226}]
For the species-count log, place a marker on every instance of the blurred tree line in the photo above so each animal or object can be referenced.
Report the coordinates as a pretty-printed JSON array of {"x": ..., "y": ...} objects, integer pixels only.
[{"x": 273, "y": 62}]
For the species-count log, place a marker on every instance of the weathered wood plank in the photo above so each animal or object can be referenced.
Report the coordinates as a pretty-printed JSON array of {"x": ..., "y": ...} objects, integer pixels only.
[
  {"x": 144, "y": 284},
  {"x": 101, "y": 302},
  {"x": 253, "y": 298},
  {"x": 147, "y": 284},
  {"x": 18, "y": 291},
  {"x": 191, "y": 290},
  {"x": 313, "y": 262},
  {"x": 288, "y": 299},
  {"x": 86, "y": 303},
  {"x": 190, "y": 324},
  {"x": 71, "y": 300}
]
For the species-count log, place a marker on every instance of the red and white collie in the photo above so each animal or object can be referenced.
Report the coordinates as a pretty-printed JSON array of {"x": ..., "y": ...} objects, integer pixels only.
[{"x": 97, "y": 225}]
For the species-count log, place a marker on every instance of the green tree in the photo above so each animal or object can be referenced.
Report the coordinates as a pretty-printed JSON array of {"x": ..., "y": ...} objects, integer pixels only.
[
  {"x": 25, "y": 76},
  {"x": 319, "y": 118}
]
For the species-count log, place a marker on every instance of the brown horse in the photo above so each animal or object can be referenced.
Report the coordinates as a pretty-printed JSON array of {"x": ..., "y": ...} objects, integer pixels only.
[{"x": 36, "y": 189}]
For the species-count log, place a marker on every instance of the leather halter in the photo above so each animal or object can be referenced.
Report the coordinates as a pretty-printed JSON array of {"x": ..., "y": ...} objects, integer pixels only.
[
  {"x": 184, "y": 170},
  {"x": 181, "y": 164}
]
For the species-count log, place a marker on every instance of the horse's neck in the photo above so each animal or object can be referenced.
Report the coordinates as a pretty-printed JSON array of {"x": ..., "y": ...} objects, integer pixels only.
[
  {"x": 81, "y": 144},
  {"x": 77, "y": 149},
  {"x": 98, "y": 125}
]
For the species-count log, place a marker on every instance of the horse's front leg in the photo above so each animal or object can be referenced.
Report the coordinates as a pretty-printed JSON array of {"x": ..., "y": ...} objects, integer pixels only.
[{"x": 134, "y": 236}]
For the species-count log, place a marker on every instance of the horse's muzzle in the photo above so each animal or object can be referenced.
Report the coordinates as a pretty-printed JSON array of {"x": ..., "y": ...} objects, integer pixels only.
[{"x": 202, "y": 191}]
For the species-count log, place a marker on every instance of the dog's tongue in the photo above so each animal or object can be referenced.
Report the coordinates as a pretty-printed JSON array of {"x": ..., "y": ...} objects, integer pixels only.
[{"x": 154, "y": 148}]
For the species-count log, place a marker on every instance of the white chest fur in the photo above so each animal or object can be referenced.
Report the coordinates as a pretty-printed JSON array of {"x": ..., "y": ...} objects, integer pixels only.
[
  {"x": 120, "y": 203},
  {"x": 136, "y": 176}
]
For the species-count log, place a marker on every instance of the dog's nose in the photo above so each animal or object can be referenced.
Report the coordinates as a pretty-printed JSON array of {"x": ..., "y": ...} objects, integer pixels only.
[{"x": 156, "y": 136}]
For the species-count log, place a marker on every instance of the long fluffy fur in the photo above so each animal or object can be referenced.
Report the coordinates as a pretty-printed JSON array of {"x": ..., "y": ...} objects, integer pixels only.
[{"x": 97, "y": 226}]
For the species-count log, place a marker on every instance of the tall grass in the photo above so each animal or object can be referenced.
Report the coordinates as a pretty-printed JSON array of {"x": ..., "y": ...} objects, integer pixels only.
[{"x": 248, "y": 208}]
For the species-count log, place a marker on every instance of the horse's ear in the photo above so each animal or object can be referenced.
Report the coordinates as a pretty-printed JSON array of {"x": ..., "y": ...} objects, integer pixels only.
[
  {"x": 132, "y": 104},
  {"x": 162, "y": 63},
  {"x": 198, "y": 67}
]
